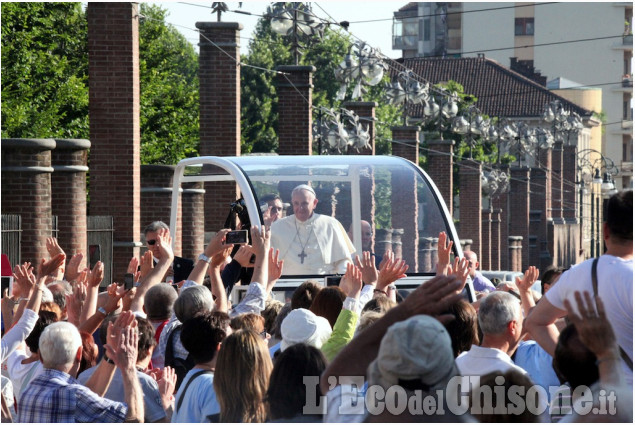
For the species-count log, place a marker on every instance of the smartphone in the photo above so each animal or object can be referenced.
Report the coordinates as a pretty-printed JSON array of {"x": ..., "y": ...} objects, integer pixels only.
[
  {"x": 94, "y": 255},
  {"x": 333, "y": 280},
  {"x": 236, "y": 237},
  {"x": 128, "y": 281},
  {"x": 7, "y": 283}
]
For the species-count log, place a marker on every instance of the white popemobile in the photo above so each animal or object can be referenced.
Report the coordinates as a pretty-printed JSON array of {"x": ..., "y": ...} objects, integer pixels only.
[{"x": 398, "y": 199}]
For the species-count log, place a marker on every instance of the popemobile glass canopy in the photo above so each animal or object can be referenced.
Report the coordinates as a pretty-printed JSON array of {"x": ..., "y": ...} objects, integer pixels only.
[{"x": 398, "y": 199}]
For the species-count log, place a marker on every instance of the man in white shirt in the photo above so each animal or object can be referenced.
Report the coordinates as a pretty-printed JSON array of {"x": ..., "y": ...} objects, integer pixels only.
[
  {"x": 310, "y": 243},
  {"x": 501, "y": 319},
  {"x": 614, "y": 284}
]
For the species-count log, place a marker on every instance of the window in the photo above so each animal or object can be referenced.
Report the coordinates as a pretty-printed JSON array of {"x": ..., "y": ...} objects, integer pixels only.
[
  {"x": 426, "y": 30},
  {"x": 524, "y": 26}
]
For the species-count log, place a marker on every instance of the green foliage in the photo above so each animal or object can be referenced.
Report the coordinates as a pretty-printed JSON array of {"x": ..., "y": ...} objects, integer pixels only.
[
  {"x": 168, "y": 67},
  {"x": 44, "y": 70}
]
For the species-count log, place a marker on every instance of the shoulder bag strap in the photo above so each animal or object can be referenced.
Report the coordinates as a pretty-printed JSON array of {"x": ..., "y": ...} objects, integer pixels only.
[
  {"x": 196, "y": 375},
  {"x": 594, "y": 281}
]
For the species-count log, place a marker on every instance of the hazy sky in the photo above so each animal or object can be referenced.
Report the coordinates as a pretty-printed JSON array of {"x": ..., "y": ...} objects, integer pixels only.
[{"x": 377, "y": 34}]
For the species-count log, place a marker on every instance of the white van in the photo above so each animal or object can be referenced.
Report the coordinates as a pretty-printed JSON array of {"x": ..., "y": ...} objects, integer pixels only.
[{"x": 396, "y": 197}]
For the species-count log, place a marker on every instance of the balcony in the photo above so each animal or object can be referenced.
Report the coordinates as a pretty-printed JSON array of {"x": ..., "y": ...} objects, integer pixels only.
[{"x": 404, "y": 42}]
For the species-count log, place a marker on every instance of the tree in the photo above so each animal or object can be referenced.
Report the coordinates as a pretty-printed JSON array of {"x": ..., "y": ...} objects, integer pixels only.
[
  {"x": 44, "y": 70},
  {"x": 168, "y": 68}
]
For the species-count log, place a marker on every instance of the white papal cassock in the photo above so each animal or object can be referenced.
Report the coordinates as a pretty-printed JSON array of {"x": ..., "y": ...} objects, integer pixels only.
[{"x": 318, "y": 246}]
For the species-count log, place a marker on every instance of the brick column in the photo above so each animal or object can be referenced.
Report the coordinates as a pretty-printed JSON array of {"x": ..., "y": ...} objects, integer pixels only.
[
  {"x": 68, "y": 187},
  {"x": 193, "y": 213},
  {"x": 405, "y": 143},
  {"x": 383, "y": 241},
  {"x": 496, "y": 240},
  {"x": 366, "y": 113},
  {"x": 470, "y": 201},
  {"x": 404, "y": 202},
  {"x": 466, "y": 244},
  {"x": 501, "y": 202},
  {"x": 569, "y": 176},
  {"x": 397, "y": 243},
  {"x": 26, "y": 191},
  {"x": 515, "y": 253},
  {"x": 556, "y": 181},
  {"x": 156, "y": 199},
  {"x": 519, "y": 216},
  {"x": 486, "y": 249},
  {"x": 295, "y": 94},
  {"x": 440, "y": 167},
  {"x": 219, "y": 88},
  {"x": 113, "y": 68},
  {"x": 425, "y": 254}
]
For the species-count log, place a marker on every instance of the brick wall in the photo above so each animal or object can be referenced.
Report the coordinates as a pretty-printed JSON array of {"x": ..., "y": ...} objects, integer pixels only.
[
  {"x": 193, "y": 218},
  {"x": 295, "y": 94},
  {"x": 26, "y": 190},
  {"x": 219, "y": 80},
  {"x": 486, "y": 240},
  {"x": 471, "y": 204},
  {"x": 440, "y": 167},
  {"x": 113, "y": 56},
  {"x": 495, "y": 245},
  {"x": 556, "y": 181},
  {"x": 366, "y": 113},
  {"x": 515, "y": 245},
  {"x": 405, "y": 143},
  {"x": 569, "y": 176},
  {"x": 68, "y": 185},
  {"x": 500, "y": 202}
]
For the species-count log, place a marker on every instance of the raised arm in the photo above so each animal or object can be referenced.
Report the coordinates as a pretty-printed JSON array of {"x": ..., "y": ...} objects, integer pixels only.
[
  {"x": 218, "y": 290},
  {"x": 54, "y": 249},
  {"x": 524, "y": 285},
  {"x": 444, "y": 249},
  {"x": 94, "y": 279},
  {"x": 215, "y": 245}
]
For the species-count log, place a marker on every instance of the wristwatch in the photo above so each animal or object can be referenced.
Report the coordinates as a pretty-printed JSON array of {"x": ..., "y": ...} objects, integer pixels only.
[{"x": 205, "y": 258}]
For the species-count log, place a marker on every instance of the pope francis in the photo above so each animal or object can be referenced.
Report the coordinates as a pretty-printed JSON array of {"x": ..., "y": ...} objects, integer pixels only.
[{"x": 310, "y": 243}]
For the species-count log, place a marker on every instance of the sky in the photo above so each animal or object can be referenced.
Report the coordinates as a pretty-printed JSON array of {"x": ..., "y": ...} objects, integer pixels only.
[{"x": 184, "y": 15}]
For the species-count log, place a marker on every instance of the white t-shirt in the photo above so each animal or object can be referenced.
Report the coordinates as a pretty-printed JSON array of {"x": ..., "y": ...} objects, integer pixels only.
[
  {"x": 479, "y": 361},
  {"x": 21, "y": 374},
  {"x": 615, "y": 287}
]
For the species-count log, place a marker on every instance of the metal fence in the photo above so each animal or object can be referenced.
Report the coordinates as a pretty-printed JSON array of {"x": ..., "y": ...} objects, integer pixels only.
[{"x": 12, "y": 237}]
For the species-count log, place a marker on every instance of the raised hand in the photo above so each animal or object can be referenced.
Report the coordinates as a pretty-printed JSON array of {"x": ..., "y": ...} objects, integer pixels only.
[
  {"x": 115, "y": 293},
  {"x": 217, "y": 243},
  {"x": 243, "y": 255},
  {"x": 24, "y": 280},
  {"x": 74, "y": 267},
  {"x": 53, "y": 247},
  {"x": 147, "y": 263},
  {"x": 461, "y": 270},
  {"x": 117, "y": 338},
  {"x": 351, "y": 282},
  {"x": 133, "y": 265},
  {"x": 528, "y": 279},
  {"x": 219, "y": 258},
  {"x": 75, "y": 302},
  {"x": 46, "y": 268},
  {"x": 164, "y": 242},
  {"x": 275, "y": 265},
  {"x": 444, "y": 250},
  {"x": 96, "y": 275},
  {"x": 167, "y": 384},
  {"x": 260, "y": 240},
  {"x": 367, "y": 267},
  {"x": 392, "y": 270}
]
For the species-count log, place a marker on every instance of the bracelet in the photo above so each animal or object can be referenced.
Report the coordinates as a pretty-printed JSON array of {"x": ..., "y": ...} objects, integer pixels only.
[
  {"x": 102, "y": 311},
  {"x": 380, "y": 291},
  {"x": 23, "y": 299},
  {"x": 205, "y": 258},
  {"x": 108, "y": 360}
]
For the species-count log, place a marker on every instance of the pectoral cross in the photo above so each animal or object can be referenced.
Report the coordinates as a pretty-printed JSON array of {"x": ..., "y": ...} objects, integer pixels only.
[{"x": 302, "y": 255}]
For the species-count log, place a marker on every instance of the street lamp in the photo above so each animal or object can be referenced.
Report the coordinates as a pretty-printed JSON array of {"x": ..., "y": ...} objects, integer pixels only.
[
  {"x": 363, "y": 65},
  {"x": 472, "y": 125},
  {"x": 337, "y": 132},
  {"x": 295, "y": 21},
  {"x": 406, "y": 90}
]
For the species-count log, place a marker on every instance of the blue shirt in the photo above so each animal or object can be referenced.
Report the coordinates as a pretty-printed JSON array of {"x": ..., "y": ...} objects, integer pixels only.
[
  {"x": 538, "y": 364},
  {"x": 56, "y": 396},
  {"x": 481, "y": 283},
  {"x": 199, "y": 401}
]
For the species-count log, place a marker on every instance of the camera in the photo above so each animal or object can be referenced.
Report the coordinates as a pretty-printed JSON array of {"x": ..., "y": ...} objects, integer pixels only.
[{"x": 236, "y": 237}]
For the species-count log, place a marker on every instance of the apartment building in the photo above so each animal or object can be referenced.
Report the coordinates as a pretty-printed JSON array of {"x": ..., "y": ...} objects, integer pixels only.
[{"x": 589, "y": 43}]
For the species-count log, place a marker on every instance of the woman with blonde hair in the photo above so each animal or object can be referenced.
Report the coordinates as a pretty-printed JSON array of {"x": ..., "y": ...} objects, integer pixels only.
[{"x": 242, "y": 376}]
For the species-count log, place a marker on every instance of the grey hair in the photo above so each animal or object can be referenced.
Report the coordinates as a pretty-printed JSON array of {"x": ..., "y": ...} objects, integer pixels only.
[
  {"x": 496, "y": 310},
  {"x": 58, "y": 345},
  {"x": 303, "y": 187},
  {"x": 159, "y": 301},
  {"x": 154, "y": 226},
  {"x": 59, "y": 297},
  {"x": 191, "y": 301}
]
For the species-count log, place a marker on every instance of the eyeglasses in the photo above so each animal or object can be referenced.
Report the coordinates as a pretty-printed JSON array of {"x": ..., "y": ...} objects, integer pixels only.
[
  {"x": 151, "y": 242},
  {"x": 276, "y": 209},
  {"x": 264, "y": 334}
]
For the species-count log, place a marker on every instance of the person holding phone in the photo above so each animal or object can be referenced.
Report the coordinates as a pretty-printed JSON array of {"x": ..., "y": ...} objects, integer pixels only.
[{"x": 181, "y": 267}]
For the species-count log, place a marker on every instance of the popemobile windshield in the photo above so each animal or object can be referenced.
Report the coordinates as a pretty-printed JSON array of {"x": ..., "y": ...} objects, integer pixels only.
[{"x": 382, "y": 203}]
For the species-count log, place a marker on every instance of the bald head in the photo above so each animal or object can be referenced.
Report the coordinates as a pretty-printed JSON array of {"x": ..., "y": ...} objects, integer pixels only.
[{"x": 471, "y": 257}]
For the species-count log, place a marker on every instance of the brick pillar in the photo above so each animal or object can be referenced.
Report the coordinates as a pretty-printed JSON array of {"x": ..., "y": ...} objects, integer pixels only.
[
  {"x": 466, "y": 244},
  {"x": 383, "y": 241},
  {"x": 501, "y": 202},
  {"x": 366, "y": 113},
  {"x": 68, "y": 188},
  {"x": 519, "y": 216},
  {"x": 440, "y": 167},
  {"x": 569, "y": 176},
  {"x": 295, "y": 94},
  {"x": 193, "y": 226},
  {"x": 113, "y": 68},
  {"x": 405, "y": 143},
  {"x": 219, "y": 88},
  {"x": 556, "y": 181},
  {"x": 425, "y": 254},
  {"x": 397, "y": 243},
  {"x": 156, "y": 199},
  {"x": 471, "y": 204},
  {"x": 26, "y": 191},
  {"x": 486, "y": 249},
  {"x": 516, "y": 253},
  {"x": 496, "y": 240},
  {"x": 541, "y": 199},
  {"x": 404, "y": 203}
]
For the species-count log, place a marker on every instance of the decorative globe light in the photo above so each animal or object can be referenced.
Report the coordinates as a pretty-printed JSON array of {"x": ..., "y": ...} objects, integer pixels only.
[
  {"x": 450, "y": 107},
  {"x": 460, "y": 125},
  {"x": 282, "y": 23},
  {"x": 431, "y": 109}
]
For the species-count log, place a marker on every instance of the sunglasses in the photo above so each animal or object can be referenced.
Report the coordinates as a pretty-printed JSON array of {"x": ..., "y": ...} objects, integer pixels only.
[
  {"x": 151, "y": 242},
  {"x": 275, "y": 209}
]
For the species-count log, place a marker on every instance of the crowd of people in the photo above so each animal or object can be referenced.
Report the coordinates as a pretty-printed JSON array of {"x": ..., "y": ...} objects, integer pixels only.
[{"x": 352, "y": 352}]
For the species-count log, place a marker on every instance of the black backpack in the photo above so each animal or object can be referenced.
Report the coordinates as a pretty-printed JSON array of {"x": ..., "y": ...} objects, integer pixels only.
[{"x": 181, "y": 366}]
